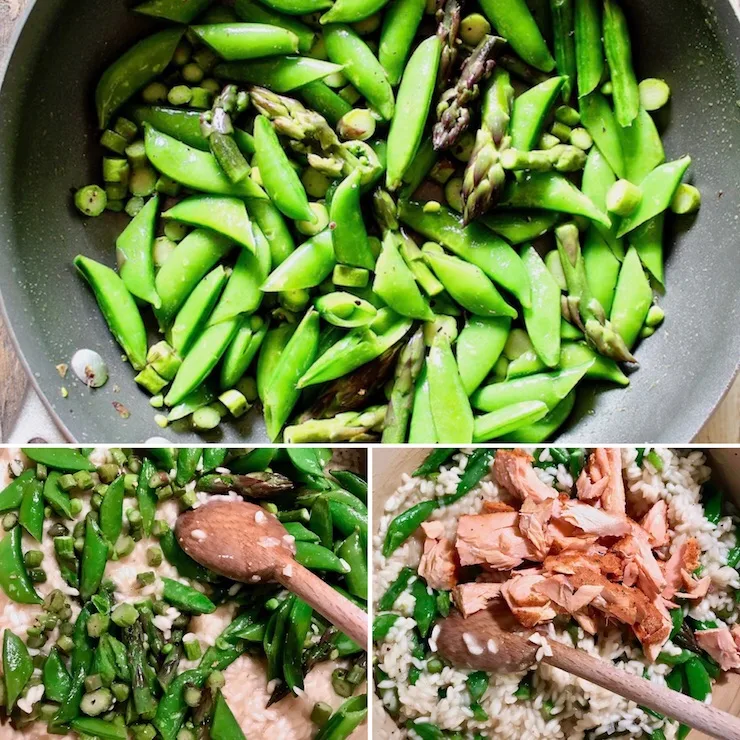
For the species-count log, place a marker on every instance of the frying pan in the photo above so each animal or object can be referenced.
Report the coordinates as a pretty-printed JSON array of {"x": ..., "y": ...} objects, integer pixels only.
[{"x": 48, "y": 145}]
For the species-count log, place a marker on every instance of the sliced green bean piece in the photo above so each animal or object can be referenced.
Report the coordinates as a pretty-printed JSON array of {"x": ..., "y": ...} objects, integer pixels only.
[
  {"x": 514, "y": 21},
  {"x": 529, "y": 113},
  {"x": 186, "y": 598},
  {"x": 321, "y": 98},
  {"x": 138, "y": 66},
  {"x": 31, "y": 514},
  {"x": 242, "y": 350},
  {"x": 356, "y": 348},
  {"x": 647, "y": 239},
  {"x": 280, "y": 74},
  {"x": 202, "y": 358},
  {"x": 469, "y": 286},
  {"x": 508, "y": 419},
  {"x": 281, "y": 181},
  {"x": 542, "y": 319},
  {"x": 395, "y": 283},
  {"x": 518, "y": 227},
  {"x": 361, "y": 67},
  {"x": 12, "y": 494},
  {"x": 589, "y": 48},
  {"x": 399, "y": 530},
  {"x": 94, "y": 558},
  {"x": 194, "y": 312},
  {"x": 315, "y": 557},
  {"x": 642, "y": 147},
  {"x": 224, "y": 725},
  {"x": 222, "y": 214},
  {"x": 574, "y": 354},
  {"x": 283, "y": 391},
  {"x": 421, "y": 429},
  {"x": 13, "y": 577},
  {"x": 193, "y": 258},
  {"x": 349, "y": 235},
  {"x": 254, "y": 12},
  {"x": 599, "y": 121},
  {"x": 543, "y": 429},
  {"x": 412, "y": 109},
  {"x": 118, "y": 308},
  {"x": 550, "y": 388},
  {"x": 632, "y": 299},
  {"x": 553, "y": 192},
  {"x": 308, "y": 266},
  {"x": 236, "y": 41},
  {"x": 242, "y": 294},
  {"x": 619, "y": 57},
  {"x": 353, "y": 553},
  {"x": 134, "y": 252},
  {"x": 17, "y": 667},
  {"x": 111, "y": 510},
  {"x": 602, "y": 268},
  {"x": 473, "y": 243},
  {"x": 453, "y": 418},
  {"x": 194, "y": 168},
  {"x": 658, "y": 188},
  {"x": 563, "y": 24},
  {"x": 598, "y": 178},
  {"x": 400, "y": 23}
]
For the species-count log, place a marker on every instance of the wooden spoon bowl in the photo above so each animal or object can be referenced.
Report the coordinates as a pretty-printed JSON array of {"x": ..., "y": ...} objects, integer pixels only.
[
  {"x": 245, "y": 543},
  {"x": 484, "y": 641}
]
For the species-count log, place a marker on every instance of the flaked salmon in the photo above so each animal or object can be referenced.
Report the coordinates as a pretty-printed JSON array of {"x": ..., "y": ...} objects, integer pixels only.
[
  {"x": 722, "y": 645},
  {"x": 683, "y": 558},
  {"x": 591, "y": 520},
  {"x": 533, "y": 524},
  {"x": 472, "y": 597},
  {"x": 493, "y": 540},
  {"x": 438, "y": 564},
  {"x": 655, "y": 523},
  {"x": 527, "y": 605},
  {"x": 513, "y": 472}
]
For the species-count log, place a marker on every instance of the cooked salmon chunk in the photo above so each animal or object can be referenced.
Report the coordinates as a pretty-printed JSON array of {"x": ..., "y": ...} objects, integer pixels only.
[
  {"x": 438, "y": 565},
  {"x": 533, "y": 521},
  {"x": 473, "y": 597},
  {"x": 513, "y": 472},
  {"x": 493, "y": 540},
  {"x": 591, "y": 520},
  {"x": 528, "y": 605},
  {"x": 721, "y": 645},
  {"x": 655, "y": 523}
]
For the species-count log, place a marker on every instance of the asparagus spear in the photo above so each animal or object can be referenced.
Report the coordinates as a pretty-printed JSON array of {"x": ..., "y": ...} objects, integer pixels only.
[
  {"x": 255, "y": 485},
  {"x": 579, "y": 306},
  {"x": 144, "y": 701},
  {"x": 310, "y": 134},
  {"x": 168, "y": 670},
  {"x": 217, "y": 127},
  {"x": 408, "y": 368},
  {"x": 453, "y": 111},
  {"x": 353, "y": 391},
  {"x": 352, "y": 426},
  {"x": 484, "y": 175},
  {"x": 448, "y": 18}
]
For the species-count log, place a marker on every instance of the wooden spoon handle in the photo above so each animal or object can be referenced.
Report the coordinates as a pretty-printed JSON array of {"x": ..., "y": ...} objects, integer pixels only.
[
  {"x": 661, "y": 699},
  {"x": 341, "y": 612}
]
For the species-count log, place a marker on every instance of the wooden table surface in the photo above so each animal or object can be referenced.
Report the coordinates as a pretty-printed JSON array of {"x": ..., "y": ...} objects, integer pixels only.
[{"x": 723, "y": 426}]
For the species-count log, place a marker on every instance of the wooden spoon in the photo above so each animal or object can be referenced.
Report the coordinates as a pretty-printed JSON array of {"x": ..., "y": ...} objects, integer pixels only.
[
  {"x": 514, "y": 652},
  {"x": 243, "y": 542}
]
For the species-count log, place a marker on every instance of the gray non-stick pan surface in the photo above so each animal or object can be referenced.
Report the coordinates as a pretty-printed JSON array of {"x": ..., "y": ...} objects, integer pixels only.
[{"x": 48, "y": 146}]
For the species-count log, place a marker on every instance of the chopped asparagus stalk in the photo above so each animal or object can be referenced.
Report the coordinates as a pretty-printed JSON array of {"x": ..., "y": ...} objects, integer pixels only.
[{"x": 91, "y": 200}]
